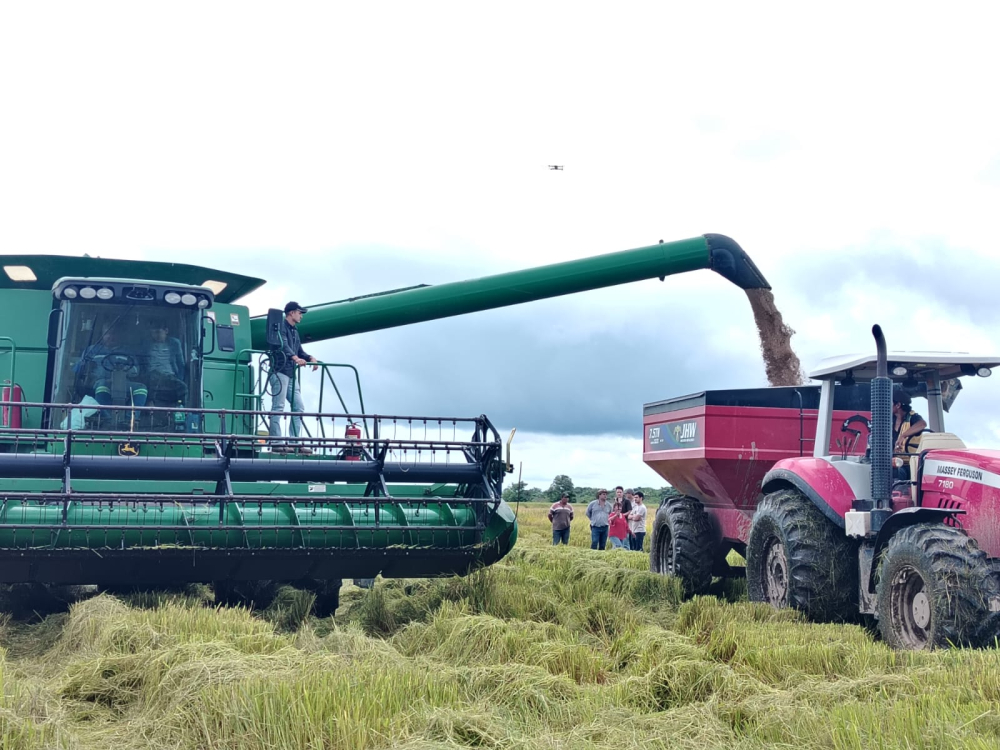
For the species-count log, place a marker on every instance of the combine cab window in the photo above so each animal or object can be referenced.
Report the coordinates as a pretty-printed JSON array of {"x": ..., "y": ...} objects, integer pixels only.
[{"x": 126, "y": 355}]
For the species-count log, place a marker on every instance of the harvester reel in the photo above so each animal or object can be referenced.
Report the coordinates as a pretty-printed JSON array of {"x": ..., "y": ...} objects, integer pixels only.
[
  {"x": 797, "y": 558},
  {"x": 684, "y": 544},
  {"x": 936, "y": 589}
]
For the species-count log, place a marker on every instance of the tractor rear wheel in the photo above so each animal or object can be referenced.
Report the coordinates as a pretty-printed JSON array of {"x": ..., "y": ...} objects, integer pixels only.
[
  {"x": 935, "y": 589},
  {"x": 798, "y": 558},
  {"x": 683, "y": 544}
]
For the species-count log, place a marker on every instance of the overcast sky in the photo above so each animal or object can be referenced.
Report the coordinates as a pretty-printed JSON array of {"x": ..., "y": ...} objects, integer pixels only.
[{"x": 338, "y": 149}]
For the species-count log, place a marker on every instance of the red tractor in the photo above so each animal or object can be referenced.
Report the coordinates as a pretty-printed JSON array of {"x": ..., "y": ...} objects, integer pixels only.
[{"x": 804, "y": 483}]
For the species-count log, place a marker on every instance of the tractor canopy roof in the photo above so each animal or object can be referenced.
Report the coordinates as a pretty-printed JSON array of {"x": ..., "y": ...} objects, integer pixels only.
[
  {"x": 42, "y": 272},
  {"x": 905, "y": 366}
]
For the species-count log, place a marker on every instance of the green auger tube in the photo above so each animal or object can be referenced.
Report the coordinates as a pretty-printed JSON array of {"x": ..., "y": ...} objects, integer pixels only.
[{"x": 711, "y": 251}]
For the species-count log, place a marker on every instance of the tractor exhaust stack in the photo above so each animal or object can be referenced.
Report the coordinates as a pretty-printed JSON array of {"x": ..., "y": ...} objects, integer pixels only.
[{"x": 881, "y": 405}]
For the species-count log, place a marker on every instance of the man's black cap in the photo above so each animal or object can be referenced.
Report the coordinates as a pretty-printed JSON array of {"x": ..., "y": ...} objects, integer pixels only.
[{"x": 293, "y": 306}]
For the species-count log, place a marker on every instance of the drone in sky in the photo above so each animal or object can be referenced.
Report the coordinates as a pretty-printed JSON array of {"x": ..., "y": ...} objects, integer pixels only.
[{"x": 556, "y": 167}]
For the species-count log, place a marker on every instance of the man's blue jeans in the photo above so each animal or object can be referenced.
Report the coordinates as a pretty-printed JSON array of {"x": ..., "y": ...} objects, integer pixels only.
[
  {"x": 284, "y": 388},
  {"x": 560, "y": 535},
  {"x": 598, "y": 537}
]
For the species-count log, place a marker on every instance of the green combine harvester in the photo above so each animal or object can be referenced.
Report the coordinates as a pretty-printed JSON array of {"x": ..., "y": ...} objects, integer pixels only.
[{"x": 119, "y": 470}]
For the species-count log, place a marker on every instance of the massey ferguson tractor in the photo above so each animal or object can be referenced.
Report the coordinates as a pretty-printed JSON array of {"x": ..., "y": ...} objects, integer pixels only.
[
  {"x": 804, "y": 483},
  {"x": 135, "y": 447}
]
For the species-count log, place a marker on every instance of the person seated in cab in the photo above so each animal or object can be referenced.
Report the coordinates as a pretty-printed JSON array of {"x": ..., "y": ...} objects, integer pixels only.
[
  {"x": 101, "y": 361},
  {"x": 162, "y": 359},
  {"x": 906, "y": 424}
]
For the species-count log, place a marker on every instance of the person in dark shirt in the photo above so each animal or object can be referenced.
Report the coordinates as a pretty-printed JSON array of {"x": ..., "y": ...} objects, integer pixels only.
[
  {"x": 162, "y": 359},
  {"x": 561, "y": 516},
  {"x": 282, "y": 381},
  {"x": 104, "y": 358},
  {"x": 906, "y": 424}
]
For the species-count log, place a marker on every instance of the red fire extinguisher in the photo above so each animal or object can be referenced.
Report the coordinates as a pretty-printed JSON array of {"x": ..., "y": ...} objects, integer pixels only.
[
  {"x": 11, "y": 414},
  {"x": 353, "y": 432}
]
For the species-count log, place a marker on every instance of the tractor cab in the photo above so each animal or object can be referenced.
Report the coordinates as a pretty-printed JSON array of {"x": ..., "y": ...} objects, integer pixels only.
[
  {"x": 934, "y": 376},
  {"x": 126, "y": 344}
]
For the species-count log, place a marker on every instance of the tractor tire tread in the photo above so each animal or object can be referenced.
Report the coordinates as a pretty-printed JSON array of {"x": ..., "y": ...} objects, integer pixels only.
[
  {"x": 822, "y": 562},
  {"x": 964, "y": 614}
]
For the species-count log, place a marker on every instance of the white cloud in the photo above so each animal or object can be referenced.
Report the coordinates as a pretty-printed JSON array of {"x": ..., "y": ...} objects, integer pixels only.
[{"x": 589, "y": 460}]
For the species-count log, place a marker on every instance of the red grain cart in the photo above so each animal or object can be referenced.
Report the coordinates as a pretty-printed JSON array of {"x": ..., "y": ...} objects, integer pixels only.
[{"x": 714, "y": 448}]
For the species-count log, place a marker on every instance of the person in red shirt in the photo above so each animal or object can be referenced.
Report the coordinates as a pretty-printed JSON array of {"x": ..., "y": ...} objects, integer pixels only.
[{"x": 618, "y": 527}]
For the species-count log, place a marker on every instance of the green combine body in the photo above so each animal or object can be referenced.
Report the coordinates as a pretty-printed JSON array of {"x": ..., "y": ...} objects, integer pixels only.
[{"x": 131, "y": 445}]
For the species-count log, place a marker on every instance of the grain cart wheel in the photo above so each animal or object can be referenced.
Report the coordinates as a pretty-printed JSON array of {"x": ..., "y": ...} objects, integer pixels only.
[
  {"x": 683, "y": 544},
  {"x": 798, "y": 558},
  {"x": 935, "y": 589}
]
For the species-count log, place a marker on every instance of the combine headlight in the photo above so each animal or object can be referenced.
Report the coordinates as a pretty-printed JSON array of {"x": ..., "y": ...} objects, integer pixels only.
[
  {"x": 899, "y": 371},
  {"x": 88, "y": 292},
  {"x": 105, "y": 293},
  {"x": 984, "y": 372},
  {"x": 171, "y": 298},
  {"x": 69, "y": 292},
  {"x": 189, "y": 299},
  {"x": 203, "y": 303}
]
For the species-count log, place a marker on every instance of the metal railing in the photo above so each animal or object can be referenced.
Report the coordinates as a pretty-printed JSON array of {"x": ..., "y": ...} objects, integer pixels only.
[{"x": 253, "y": 393}]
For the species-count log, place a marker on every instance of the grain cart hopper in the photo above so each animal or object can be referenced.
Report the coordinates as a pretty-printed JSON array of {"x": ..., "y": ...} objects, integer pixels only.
[
  {"x": 837, "y": 532},
  {"x": 714, "y": 448},
  {"x": 130, "y": 451}
]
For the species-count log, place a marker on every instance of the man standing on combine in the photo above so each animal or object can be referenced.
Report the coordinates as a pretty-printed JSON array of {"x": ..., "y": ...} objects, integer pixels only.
[{"x": 282, "y": 381}]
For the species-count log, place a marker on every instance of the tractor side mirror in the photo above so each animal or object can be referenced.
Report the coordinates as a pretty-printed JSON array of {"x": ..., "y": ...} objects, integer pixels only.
[{"x": 274, "y": 318}]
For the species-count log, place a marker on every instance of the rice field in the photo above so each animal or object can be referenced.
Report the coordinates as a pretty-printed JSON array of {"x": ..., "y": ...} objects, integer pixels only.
[{"x": 552, "y": 648}]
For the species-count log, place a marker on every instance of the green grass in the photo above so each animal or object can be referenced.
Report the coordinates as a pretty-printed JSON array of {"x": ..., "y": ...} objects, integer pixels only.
[{"x": 551, "y": 648}]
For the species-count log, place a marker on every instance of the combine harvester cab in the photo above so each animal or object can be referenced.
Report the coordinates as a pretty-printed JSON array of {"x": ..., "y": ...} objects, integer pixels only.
[
  {"x": 131, "y": 451},
  {"x": 909, "y": 536}
]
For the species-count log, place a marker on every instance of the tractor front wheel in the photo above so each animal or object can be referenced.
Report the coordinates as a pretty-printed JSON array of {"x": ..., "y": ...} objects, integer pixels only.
[
  {"x": 798, "y": 558},
  {"x": 935, "y": 589},
  {"x": 683, "y": 544}
]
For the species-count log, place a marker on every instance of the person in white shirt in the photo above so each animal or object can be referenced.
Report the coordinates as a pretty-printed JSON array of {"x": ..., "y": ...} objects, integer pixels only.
[{"x": 637, "y": 520}]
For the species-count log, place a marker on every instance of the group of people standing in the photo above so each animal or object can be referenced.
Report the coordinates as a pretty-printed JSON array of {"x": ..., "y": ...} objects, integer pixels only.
[{"x": 622, "y": 521}]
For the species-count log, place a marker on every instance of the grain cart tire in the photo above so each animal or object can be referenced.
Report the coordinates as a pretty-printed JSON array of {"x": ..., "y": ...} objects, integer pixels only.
[
  {"x": 935, "y": 589},
  {"x": 683, "y": 544},
  {"x": 798, "y": 558}
]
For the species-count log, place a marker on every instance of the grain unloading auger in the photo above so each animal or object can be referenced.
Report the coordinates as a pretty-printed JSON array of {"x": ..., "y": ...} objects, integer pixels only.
[{"x": 130, "y": 446}]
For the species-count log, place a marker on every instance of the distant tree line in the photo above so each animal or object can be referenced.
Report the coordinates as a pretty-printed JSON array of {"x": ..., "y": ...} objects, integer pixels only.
[{"x": 521, "y": 492}]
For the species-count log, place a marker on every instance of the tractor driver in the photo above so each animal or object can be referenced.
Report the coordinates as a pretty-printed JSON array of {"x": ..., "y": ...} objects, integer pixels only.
[{"x": 906, "y": 423}]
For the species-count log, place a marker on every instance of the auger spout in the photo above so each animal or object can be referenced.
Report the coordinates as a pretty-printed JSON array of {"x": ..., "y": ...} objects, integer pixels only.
[{"x": 416, "y": 305}]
